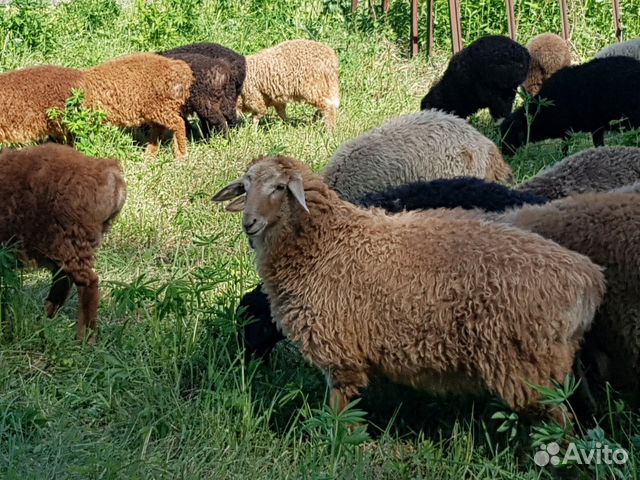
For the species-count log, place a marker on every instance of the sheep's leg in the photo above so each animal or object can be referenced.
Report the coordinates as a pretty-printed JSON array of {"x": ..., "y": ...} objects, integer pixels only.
[
  {"x": 59, "y": 291},
  {"x": 154, "y": 140},
  {"x": 177, "y": 126},
  {"x": 346, "y": 383},
  {"x": 281, "y": 110},
  {"x": 89, "y": 300},
  {"x": 598, "y": 137}
]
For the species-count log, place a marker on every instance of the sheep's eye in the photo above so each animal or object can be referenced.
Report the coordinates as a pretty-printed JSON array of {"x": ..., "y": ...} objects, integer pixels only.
[{"x": 279, "y": 188}]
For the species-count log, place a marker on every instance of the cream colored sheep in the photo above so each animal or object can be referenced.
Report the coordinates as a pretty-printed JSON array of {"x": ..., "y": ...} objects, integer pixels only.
[{"x": 293, "y": 71}]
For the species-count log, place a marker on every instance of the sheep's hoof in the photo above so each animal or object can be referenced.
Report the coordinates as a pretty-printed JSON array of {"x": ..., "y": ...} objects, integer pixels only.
[{"x": 51, "y": 309}]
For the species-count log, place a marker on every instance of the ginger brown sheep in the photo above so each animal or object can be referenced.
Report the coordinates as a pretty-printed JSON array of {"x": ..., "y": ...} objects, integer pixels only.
[
  {"x": 420, "y": 146},
  {"x": 27, "y": 94},
  {"x": 363, "y": 292},
  {"x": 549, "y": 53},
  {"x": 293, "y": 71},
  {"x": 139, "y": 89},
  {"x": 605, "y": 227},
  {"x": 57, "y": 205}
]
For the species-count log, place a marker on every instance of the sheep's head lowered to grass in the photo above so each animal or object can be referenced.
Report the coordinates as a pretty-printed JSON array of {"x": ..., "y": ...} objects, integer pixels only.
[{"x": 269, "y": 191}]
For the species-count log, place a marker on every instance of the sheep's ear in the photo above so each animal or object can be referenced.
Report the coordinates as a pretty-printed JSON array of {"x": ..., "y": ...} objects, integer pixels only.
[
  {"x": 296, "y": 187},
  {"x": 233, "y": 190},
  {"x": 237, "y": 205}
]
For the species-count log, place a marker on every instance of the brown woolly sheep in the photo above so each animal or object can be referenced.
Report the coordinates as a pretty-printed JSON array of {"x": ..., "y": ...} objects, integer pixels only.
[
  {"x": 293, "y": 71},
  {"x": 142, "y": 88},
  {"x": 606, "y": 228},
  {"x": 350, "y": 288},
  {"x": 549, "y": 53},
  {"x": 27, "y": 94},
  {"x": 592, "y": 170},
  {"x": 57, "y": 204}
]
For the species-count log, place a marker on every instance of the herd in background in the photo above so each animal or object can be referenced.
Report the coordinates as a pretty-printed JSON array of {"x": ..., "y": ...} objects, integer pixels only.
[{"x": 407, "y": 257}]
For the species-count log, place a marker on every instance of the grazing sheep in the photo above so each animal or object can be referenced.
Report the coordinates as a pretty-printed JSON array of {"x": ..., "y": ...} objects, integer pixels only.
[
  {"x": 592, "y": 170},
  {"x": 465, "y": 192},
  {"x": 487, "y": 73},
  {"x": 630, "y": 48},
  {"x": 213, "y": 96},
  {"x": 477, "y": 306},
  {"x": 222, "y": 56},
  {"x": 422, "y": 146},
  {"x": 586, "y": 98},
  {"x": 58, "y": 205},
  {"x": 262, "y": 335},
  {"x": 605, "y": 227},
  {"x": 27, "y": 94},
  {"x": 549, "y": 53},
  {"x": 140, "y": 89},
  {"x": 293, "y": 71}
]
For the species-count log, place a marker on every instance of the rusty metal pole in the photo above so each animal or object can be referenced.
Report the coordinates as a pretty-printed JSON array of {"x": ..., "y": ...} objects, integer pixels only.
[
  {"x": 564, "y": 16},
  {"x": 456, "y": 33},
  {"x": 414, "y": 28},
  {"x": 511, "y": 15},
  {"x": 617, "y": 18},
  {"x": 354, "y": 6},
  {"x": 430, "y": 32},
  {"x": 385, "y": 6}
]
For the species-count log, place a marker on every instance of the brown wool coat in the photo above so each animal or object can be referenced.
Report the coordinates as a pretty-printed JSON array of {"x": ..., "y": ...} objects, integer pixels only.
[
  {"x": 58, "y": 205},
  {"x": 26, "y": 96},
  {"x": 438, "y": 300},
  {"x": 606, "y": 228},
  {"x": 549, "y": 53}
]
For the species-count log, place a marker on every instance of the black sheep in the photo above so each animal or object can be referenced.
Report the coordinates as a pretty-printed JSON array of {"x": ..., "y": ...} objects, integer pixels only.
[
  {"x": 222, "y": 59},
  {"x": 484, "y": 74},
  {"x": 464, "y": 192},
  {"x": 585, "y": 98},
  {"x": 213, "y": 94},
  {"x": 262, "y": 335}
]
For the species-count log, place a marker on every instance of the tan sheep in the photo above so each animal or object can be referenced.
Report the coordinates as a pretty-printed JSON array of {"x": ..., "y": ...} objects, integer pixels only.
[
  {"x": 549, "y": 53},
  {"x": 293, "y": 71},
  {"x": 139, "y": 89},
  {"x": 439, "y": 300},
  {"x": 26, "y": 96}
]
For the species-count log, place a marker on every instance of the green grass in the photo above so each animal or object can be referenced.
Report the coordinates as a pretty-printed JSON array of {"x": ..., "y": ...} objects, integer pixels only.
[{"x": 164, "y": 394}]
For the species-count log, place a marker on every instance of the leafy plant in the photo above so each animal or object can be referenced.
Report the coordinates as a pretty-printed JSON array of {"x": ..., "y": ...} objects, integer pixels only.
[{"x": 29, "y": 26}]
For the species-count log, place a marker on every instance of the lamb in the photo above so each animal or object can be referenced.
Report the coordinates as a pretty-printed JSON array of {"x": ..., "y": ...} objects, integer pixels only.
[
  {"x": 58, "y": 205},
  {"x": 549, "y": 53},
  {"x": 27, "y": 94},
  {"x": 293, "y": 71},
  {"x": 261, "y": 336},
  {"x": 139, "y": 89},
  {"x": 350, "y": 289},
  {"x": 605, "y": 227},
  {"x": 592, "y": 170},
  {"x": 223, "y": 60},
  {"x": 213, "y": 96},
  {"x": 630, "y": 48},
  {"x": 487, "y": 73},
  {"x": 421, "y": 146},
  {"x": 586, "y": 98}
]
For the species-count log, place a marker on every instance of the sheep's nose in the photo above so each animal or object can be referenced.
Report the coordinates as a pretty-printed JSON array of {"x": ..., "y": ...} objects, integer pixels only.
[{"x": 248, "y": 223}]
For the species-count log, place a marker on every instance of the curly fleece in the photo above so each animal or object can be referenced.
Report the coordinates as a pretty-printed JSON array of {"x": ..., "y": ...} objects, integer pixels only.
[
  {"x": 293, "y": 71},
  {"x": 350, "y": 288},
  {"x": 27, "y": 94},
  {"x": 606, "y": 228},
  {"x": 549, "y": 53},
  {"x": 139, "y": 89},
  {"x": 592, "y": 170},
  {"x": 57, "y": 206},
  {"x": 421, "y": 146}
]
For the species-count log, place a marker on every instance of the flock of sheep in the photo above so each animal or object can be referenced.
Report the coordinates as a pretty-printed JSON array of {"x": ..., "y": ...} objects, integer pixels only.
[{"x": 408, "y": 257}]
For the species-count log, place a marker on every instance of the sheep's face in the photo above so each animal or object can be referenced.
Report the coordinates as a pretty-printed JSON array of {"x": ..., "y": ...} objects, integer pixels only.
[
  {"x": 513, "y": 131},
  {"x": 266, "y": 194}
]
